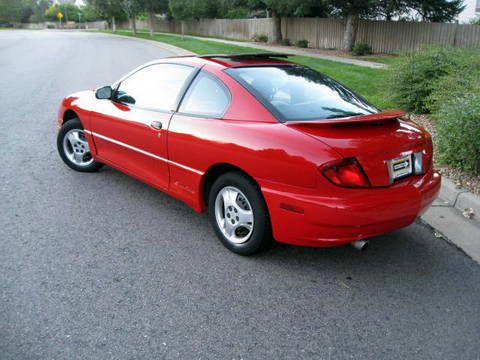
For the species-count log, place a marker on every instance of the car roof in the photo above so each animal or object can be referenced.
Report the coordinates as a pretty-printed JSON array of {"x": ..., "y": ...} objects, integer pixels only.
[
  {"x": 233, "y": 60},
  {"x": 218, "y": 62}
]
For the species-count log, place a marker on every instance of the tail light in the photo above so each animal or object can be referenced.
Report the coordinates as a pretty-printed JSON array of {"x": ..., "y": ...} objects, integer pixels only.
[
  {"x": 346, "y": 173},
  {"x": 428, "y": 155}
]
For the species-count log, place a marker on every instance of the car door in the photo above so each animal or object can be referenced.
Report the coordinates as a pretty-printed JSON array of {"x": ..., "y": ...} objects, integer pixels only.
[
  {"x": 129, "y": 131},
  {"x": 193, "y": 132}
]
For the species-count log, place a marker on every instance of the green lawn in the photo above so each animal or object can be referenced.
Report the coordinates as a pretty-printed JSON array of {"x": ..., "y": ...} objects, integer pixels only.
[
  {"x": 370, "y": 83},
  {"x": 194, "y": 45}
]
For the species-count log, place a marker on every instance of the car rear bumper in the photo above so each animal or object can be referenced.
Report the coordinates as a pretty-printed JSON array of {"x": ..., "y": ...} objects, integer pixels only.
[{"x": 345, "y": 215}]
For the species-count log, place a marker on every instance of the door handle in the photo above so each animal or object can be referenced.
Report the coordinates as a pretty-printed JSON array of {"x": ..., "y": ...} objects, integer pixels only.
[{"x": 157, "y": 125}]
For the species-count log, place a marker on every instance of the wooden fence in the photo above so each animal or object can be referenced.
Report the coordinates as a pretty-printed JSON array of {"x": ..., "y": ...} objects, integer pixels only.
[
  {"x": 382, "y": 36},
  {"x": 238, "y": 29},
  {"x": 100, "y": 24}
]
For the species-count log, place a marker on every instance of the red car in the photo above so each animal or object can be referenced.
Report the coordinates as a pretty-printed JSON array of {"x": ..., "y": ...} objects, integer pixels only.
[{"x": 269, "y": 148}]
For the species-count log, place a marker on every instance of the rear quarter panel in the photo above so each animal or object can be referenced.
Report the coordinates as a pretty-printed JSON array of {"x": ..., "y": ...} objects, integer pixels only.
[{"x": 271, "y": 153}]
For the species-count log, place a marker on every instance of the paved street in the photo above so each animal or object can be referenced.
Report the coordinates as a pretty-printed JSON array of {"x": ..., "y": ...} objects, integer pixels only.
[{"x": 101, "y": 266}]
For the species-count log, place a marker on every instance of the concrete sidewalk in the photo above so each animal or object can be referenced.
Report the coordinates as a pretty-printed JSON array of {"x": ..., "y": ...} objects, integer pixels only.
[
  {"x": 446, "y": 217},
  {"x": 289, "y": 50}
]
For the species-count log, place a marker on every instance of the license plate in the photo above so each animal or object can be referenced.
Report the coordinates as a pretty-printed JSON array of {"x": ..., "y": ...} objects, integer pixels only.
[{"x": 400, "y": 167}]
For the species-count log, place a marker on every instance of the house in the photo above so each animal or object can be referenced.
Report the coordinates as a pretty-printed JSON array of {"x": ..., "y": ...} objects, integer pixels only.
[{"x": 471, "y": 11}]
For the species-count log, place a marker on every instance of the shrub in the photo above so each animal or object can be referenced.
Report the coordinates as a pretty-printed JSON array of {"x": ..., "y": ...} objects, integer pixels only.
[
  {"x": 260, "y": 38},
  {"x": 302, "y": 43},
  {"x": 361, "y": 49},
  {"x": 458, "y": 123},
  {"x": 413, "y": 79},
  {"x": 285, "y": 42},
  {"x": 446, "y": 82},
  {"x": 455, "y": 103}
]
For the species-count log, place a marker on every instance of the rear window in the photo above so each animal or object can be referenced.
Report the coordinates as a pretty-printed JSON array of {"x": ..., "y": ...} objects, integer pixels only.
[{"x": 295, "y": 93}]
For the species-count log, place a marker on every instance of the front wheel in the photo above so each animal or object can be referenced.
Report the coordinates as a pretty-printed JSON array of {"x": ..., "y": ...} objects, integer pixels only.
[
  {"x": 239, "y": 214},
  {"x": 73, "y": 147}
]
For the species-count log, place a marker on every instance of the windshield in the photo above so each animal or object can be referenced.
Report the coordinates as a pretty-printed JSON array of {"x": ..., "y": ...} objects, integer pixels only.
[{"x": 294, "y": 93}]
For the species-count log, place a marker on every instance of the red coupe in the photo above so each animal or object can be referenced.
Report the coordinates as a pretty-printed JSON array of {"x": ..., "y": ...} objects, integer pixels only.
[{"x": 269, "y": 148}]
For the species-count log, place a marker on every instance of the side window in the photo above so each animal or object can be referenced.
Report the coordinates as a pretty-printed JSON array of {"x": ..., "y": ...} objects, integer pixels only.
[
  {"x": 155, "y": 86},
  {"x": 207, "y": 96}
]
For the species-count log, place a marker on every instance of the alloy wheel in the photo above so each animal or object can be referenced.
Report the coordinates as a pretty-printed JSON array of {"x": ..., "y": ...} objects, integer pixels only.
[
  {"x": 234, "y": 215},
  {"x": 76, "y": 149}
]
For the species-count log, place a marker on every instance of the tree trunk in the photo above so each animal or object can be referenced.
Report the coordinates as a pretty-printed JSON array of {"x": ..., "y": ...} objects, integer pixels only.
[
  {"x": 134, "y": 25},
  {"x": 183, "y": 29},
  {"x": 114, "y": 26},
  {"x": 350, "y": 34},
  {"x": 151, "y": 16},
  {"x": 276, "y": 28}
]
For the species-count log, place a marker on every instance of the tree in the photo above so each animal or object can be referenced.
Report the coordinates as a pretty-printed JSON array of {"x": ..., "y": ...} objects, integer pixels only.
[
  {"x": 11, "y": 11},
  {"x": 198, "y": 9},
  {"x": 437, "y": 10},
  {"x": 389, "y": 9},
  {"x": 39, "y": 8},
  {"x": 51, "y": 13},
  {"x": 90, "y": 13},
  {"x": 69, "y": 11},
  {"x": 353, "y": 10},
  {"x": 131, "y": 8},
  {"x": 27, "y": 10},
  {"x": 109, "y": 9},
  {"x": 279, "y": 8},
  {"x": 182, "y": 10},
  {"x": 234, "y": 9},
  {"x": 154, "y": 7}
]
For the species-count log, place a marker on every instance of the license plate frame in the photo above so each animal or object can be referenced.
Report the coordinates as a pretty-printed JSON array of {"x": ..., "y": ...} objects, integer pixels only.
[{"x": 400, "y": 167}]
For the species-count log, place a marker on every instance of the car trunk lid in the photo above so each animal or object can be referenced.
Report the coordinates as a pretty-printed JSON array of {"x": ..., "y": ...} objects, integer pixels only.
[{"x": 375, "y": 140}]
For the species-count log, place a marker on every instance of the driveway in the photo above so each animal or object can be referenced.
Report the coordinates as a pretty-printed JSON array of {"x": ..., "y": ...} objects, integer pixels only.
[{"x": 101, "y": 266}]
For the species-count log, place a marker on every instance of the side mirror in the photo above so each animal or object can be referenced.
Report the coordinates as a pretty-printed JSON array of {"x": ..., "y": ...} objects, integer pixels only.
[{"x": 105, "y": 92}]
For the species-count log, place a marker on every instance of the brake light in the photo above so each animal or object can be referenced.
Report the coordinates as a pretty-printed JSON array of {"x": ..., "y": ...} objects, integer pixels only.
[{"x": 346, "y": 173}]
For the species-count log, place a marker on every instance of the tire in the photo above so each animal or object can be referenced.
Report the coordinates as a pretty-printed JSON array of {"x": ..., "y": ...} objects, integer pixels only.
[
  {"x": 73, "y": 147},
  {"x": 244, "y": 205}
]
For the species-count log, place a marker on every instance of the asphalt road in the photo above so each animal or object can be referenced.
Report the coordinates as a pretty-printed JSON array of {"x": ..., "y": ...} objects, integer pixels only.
[{"x": 101, "y": 266}]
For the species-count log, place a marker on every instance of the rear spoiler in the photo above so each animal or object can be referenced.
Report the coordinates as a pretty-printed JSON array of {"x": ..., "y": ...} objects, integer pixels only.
[{"x": 378, "y": 117}]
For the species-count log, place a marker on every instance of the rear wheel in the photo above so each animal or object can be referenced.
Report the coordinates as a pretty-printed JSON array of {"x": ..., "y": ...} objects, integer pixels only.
[
  {"x": 73, "y": 147},
  {"x": 239, "y": 214}
]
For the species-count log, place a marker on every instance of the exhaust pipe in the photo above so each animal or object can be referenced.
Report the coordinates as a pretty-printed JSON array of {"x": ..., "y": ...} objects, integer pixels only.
[{"x": 360, "y": 245}]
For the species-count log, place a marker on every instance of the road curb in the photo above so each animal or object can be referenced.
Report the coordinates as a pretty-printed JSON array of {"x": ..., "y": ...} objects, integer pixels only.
[
  {"x": 466, "y": 201},
  {"x": 174, "y": 49},
  {"x": 460, "y": 198},
  {"x": 449, "y": 191},
  {"x": 446, "y": 217}
]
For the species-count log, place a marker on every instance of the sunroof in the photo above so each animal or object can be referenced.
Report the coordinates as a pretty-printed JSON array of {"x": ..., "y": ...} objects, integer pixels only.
[{"x": 246, "y": 56}]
